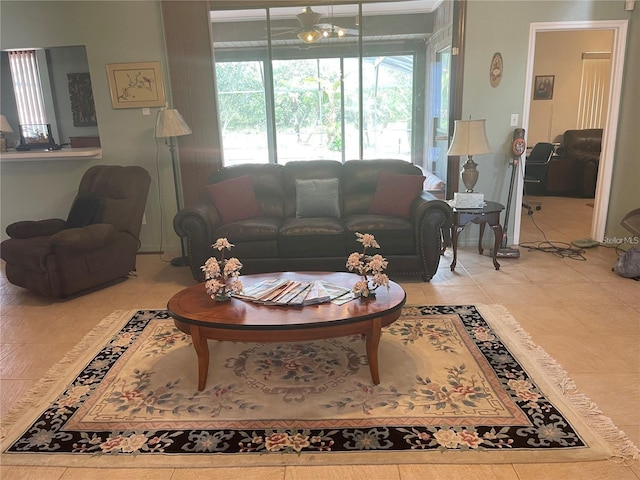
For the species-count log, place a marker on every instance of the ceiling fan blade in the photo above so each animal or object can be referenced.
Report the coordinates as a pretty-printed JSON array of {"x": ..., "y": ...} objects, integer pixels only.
[{"x": 287, "y": 32}]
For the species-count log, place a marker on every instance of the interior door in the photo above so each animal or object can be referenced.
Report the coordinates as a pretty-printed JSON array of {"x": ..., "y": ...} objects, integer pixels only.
[{"x": 605, "y": 170}]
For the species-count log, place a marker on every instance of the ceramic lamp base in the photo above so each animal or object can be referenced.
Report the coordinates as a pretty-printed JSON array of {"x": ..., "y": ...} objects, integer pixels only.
[{"x": 469, "y": 174}]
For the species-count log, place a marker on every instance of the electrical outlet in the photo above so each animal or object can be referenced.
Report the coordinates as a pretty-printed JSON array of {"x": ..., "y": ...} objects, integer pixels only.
[
  {"x": 514, "y": 120},
  {"x": 146, "y": 111}
]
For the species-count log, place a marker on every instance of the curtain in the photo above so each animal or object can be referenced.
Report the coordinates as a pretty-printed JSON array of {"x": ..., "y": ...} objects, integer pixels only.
[
  {"x": 594, "y": 90},
  {"x": 27, "y": 87}
]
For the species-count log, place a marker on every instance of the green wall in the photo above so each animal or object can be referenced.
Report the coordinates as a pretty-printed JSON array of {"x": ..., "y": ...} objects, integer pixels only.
[
  {"x": 503, "y": 26},
  {"x": 113, "y": 32},
  {"x": 119, "y": 32}
]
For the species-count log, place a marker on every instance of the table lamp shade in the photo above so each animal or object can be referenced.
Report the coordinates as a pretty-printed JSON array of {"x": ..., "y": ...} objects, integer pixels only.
[
  {"x": 171, "y": 124},
  {"x": 4, "y": 125},
  {"x": 469, "y": 138}
]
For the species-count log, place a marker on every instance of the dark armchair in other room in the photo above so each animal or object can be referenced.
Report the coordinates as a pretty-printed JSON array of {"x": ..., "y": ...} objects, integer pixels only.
[{"x": 574, "y": 171}]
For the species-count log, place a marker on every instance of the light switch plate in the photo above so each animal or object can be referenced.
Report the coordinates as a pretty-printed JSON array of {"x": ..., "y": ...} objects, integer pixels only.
[{"x": 514, "y": 120}]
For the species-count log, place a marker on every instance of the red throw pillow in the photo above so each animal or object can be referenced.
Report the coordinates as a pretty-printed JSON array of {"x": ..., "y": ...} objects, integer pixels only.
[
  {"x": 395, "y": 193},
  {"x": 235, "y": 199}
]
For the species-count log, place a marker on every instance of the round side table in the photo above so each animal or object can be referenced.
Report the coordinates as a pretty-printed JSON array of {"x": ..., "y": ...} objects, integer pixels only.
[{"x": 489, "y": 214}]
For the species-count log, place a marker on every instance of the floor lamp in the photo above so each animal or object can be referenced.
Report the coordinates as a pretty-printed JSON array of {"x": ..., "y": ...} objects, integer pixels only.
[{"x": 170, "y": 125}]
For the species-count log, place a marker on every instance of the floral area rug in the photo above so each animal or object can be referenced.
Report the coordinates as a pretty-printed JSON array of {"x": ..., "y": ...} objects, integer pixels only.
[{"x": 459, "y": 384}]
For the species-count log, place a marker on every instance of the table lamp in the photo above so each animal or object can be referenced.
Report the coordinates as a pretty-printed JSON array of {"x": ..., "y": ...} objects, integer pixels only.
[{"x": 469, "y": 138}]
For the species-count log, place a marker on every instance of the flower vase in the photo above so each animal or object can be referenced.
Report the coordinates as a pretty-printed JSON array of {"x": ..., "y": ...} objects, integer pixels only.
[
  {"x": 223, "y": 296},
  {"x": 371, "y": 295}
]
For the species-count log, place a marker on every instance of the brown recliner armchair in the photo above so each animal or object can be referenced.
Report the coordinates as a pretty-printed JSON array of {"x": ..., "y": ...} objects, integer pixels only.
[{"x": 97, "y": 243}]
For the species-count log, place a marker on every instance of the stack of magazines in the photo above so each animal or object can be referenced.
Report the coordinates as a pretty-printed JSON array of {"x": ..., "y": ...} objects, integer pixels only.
[{"x": 280, "y": 291}]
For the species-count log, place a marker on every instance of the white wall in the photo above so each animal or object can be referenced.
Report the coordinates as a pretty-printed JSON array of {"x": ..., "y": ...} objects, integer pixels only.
[{"x": 560, "y": 54}]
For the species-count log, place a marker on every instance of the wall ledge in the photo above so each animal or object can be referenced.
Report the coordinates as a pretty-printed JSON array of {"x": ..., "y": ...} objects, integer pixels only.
[{"x": 43, "y": 155}]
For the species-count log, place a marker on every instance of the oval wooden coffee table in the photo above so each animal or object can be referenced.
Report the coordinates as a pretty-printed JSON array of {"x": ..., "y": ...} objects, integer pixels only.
[{"x": 196, "y": 314}]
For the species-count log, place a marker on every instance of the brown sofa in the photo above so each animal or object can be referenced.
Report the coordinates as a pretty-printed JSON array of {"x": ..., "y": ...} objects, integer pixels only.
[
  {"x": 281, "y": 237},
  {"x": 574, "y": 171},
  {"x": 97, "y": 243}
]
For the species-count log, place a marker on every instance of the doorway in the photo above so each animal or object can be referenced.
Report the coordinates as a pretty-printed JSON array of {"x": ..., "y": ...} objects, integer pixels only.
[{"x": 605, "y": 171}]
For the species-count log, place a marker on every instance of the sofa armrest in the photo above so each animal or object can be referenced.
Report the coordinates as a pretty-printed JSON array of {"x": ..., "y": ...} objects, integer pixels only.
[
  {"x": 38, "y": 228},
  {"x": 91, "y": 237},
  {"x": 196, "y": 225},
  {"x": 430, "y": 217}
]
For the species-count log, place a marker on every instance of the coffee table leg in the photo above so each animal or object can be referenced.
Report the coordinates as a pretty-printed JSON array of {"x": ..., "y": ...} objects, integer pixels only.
[
  {"x": 373, "y": 340},
  {"x": 202, "y": 350}
]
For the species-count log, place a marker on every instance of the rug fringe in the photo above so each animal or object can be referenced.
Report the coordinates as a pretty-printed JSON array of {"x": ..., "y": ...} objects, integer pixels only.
[
  {"x": 623, "y": 448},
  {"x": 57, "y": 373}
]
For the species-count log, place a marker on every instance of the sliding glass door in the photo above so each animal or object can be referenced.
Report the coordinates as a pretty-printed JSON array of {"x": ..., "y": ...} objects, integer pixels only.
[{"x": 319, "y": 83}]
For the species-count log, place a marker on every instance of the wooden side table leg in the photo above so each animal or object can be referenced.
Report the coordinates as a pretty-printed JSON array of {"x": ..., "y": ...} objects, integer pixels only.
[
  {"x": 480, "y": 249},
  {"x": 455, "y": 231},
  {"x": 202, "y": 350},
  {"x": 497, "y": 232},
  {"x": 373, "y": 340}
]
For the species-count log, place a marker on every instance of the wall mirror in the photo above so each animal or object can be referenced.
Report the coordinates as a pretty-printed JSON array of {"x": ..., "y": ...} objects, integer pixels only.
[{"x": 67, "y": 96}]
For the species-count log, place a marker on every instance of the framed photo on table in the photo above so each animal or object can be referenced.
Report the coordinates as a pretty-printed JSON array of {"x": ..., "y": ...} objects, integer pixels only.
[
  {"x": 36, "y": 136},
  {"x": 543, "y": 87},
  {"x": 136, "y": 85}
]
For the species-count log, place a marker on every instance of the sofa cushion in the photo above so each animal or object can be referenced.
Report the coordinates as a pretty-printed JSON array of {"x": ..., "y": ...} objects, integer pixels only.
[
  {"x": 311, "y": 237},
  {"x": 317, "y": 198},
  {"x": 394, "y": 234},
  {"x": 307, "y": 170},
  {"x": 395, "y": 193},
  {"x": 250, "y": 230},
  {"x": 235, "y": 199}
]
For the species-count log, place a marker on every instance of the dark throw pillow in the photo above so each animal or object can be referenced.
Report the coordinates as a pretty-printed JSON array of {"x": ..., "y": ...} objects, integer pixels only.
[
  {"x": 317, "y": 198},
  {"x": 84, "y": 211},
  {"x": 235, "y": 199},
  {"x": 395, "y": 193}
]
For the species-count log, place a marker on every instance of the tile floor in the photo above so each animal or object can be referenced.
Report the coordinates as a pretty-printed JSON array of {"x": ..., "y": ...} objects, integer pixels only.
[{"x": 581, "y": 313}]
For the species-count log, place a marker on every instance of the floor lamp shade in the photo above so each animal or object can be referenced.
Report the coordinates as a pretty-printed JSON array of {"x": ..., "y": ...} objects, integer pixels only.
[
  {"x": 171, "y": 124},
  {"x": 469, "y": 138}
]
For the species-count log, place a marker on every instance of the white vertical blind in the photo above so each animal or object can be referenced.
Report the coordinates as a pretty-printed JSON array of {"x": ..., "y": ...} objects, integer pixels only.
[
  {"x": 594, "y": 90},
  {"x": 27, "y": 87}
]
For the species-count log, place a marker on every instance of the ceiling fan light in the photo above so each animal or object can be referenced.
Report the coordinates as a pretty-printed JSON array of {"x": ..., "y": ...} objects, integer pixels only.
[{"x": 310, "y": 37}]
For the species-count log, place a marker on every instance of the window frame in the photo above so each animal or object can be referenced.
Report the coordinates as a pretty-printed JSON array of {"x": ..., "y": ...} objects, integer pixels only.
[{"x": 267, "y": 54}]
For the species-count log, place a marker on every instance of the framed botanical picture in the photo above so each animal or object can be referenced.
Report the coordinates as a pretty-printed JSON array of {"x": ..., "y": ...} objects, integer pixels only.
[
  {"x": 543, "y": 87},
  {"x": 136, "y": 85}
]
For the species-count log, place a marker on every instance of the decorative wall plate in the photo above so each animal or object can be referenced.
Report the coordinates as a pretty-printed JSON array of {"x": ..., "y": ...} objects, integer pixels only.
[{"x": 495, "y": 71}]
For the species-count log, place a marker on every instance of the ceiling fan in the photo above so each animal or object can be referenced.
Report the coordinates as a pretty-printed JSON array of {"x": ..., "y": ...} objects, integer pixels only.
[{"x": 311, "y": 30}]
